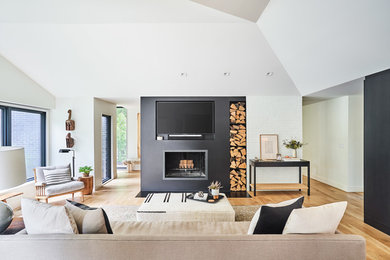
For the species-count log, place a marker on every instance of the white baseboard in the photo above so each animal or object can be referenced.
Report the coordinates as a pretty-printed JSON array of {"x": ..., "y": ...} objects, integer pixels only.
[{"x": 338, "y": 185}]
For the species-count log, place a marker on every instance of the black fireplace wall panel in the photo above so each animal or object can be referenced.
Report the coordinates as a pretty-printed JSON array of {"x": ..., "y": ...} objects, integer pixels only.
[
  {"x": 377, "y": 151},
  {"x": 152, "y": 150}
]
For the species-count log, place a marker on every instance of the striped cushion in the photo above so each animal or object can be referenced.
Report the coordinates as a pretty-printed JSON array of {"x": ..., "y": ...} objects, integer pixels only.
[{"x": 57, "y": 176}]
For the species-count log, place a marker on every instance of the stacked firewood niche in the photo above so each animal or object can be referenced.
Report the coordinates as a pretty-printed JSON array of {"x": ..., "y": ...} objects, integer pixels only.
[{"x": 237, "y": 146}]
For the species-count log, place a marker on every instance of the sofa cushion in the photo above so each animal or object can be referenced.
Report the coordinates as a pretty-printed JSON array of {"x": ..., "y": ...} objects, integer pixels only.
[
  {"x": 57, "y": 176},
  {"x": 314, "y": 220},
  {"x": 89, "y": 221},
  {"x": 43, "y": 218},
  {"x": 273, "y": 219},
  {"x": 181, "y": 228},
  {"x": 64, "y": 187},
  {"x": 40, "y": 177},
  {"x": 255, "y": 218},
  {"x": 85, "y": 207}
]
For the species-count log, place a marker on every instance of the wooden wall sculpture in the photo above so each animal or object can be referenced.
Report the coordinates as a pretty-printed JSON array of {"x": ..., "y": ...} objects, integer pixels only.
[
  {"x": 238, "y": 146},
  {"x": 69, "y": 141},
  {"x": 69, "y": 124}
]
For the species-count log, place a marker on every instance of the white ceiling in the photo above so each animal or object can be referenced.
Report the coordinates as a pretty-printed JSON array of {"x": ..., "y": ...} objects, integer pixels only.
[
  {"x": 247, "y": 9},
  {"x": 123, "y": 61},
  {"x": 322, "y": 44},
  {"x": 354, "y": 87},
  {"x": 109, "y": 11},
  {"x": 119, "y": 50}
]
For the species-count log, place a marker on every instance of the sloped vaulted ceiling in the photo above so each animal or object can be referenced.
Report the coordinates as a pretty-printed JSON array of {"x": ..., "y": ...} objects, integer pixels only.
[
  {"x": 247, "y": 9},
  {"x": 325, "y": 43},
  {"x": 119, "y": 50}
]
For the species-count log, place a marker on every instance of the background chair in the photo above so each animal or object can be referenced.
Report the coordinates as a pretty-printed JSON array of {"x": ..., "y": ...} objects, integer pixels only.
[{"x": 44, "y": 191}]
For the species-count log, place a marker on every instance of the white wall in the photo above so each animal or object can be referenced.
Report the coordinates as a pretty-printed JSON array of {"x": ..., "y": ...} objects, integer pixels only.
[
  {"x": 103, "y": 108},
  {"x": 17, "y": 88},
  {"x": 356, "y": 141},
  {"x": 333, "y": 131},
  {"x": 86, "y": 112},
  {"x": 132, "y": 111},
  {"x": 280, "y": 115},
  {"x": 82, "y": 114}
]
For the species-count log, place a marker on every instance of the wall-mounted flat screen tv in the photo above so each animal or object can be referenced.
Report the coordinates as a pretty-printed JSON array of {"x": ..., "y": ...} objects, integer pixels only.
[{"x": 191, "y": 117}]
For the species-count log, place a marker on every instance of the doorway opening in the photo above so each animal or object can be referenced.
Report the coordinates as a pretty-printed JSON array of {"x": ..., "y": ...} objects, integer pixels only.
[{"x": 121, "y": 137}]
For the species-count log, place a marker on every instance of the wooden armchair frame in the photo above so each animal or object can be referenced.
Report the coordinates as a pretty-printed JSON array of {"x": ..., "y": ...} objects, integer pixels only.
[{"x": 40, "y": 191}]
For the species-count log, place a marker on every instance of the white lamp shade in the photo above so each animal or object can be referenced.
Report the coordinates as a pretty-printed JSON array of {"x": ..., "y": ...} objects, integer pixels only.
[{"x": 12, "y": 167}]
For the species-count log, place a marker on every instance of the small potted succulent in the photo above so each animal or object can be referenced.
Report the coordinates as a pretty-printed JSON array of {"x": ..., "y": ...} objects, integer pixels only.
[
  {"x": 214, "y": 188},
  {"x": 85, "y": 170}
]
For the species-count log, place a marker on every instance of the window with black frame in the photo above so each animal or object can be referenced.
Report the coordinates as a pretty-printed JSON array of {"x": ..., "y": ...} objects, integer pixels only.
[{"x": 25, "y": 128}]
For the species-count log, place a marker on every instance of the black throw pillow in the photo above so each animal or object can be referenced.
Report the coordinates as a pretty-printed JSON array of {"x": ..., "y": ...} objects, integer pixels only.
[
  {"x": 273, "y": 219},
  {"x": 85, "y": 207}
]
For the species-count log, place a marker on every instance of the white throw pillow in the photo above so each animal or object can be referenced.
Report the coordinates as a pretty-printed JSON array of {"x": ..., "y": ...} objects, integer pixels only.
[
  {"x": 314, "y": 220},
  {"x": 255, "y": 218},
  {"x": 88, "y": 221},
  {"x": 43, "y": 218},
  {"x": 57, "y": 176}
]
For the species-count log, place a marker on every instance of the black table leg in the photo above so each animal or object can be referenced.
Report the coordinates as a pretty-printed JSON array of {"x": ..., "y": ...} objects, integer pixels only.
[
  {"x": 254, "y": 178},
  {"x": 300, "y": 176},
  {"x": 308, "y": 180}
]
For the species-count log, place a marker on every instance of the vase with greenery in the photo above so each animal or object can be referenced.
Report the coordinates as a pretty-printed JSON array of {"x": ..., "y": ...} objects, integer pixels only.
[
  {"x": 294, "y": 145},
  {"x": 214, "y": 188},
  {"x": 85, "y": 170}
]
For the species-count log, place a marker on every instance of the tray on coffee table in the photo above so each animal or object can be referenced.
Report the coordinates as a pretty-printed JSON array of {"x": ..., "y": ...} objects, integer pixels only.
[{"x": 209, "y": 199}]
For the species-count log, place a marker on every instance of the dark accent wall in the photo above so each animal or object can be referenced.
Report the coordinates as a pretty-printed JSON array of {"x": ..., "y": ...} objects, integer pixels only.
[
  {"x": 377, "y": 151},
  {"x": 152, "y": 149}
]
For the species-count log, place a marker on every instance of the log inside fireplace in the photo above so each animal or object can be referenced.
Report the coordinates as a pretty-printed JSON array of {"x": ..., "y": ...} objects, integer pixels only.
[{"x": 185, "y": 164}]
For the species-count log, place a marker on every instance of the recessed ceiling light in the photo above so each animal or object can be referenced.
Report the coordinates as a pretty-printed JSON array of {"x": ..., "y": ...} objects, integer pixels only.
[
  {"x": 227, "y": 74},
  {"x": 269, "y": 74}
]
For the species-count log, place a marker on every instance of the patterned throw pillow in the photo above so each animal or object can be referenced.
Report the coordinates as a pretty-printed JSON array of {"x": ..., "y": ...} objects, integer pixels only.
[{"x": 57, "y": 176}]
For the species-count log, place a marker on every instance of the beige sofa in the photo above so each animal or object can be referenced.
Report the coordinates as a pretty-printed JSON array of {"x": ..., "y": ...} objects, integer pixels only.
[{"x": 182, "y": 240}]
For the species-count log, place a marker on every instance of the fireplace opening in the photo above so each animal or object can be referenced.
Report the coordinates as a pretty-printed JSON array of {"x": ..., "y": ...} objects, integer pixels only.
[{"x": 188, "y": 164}]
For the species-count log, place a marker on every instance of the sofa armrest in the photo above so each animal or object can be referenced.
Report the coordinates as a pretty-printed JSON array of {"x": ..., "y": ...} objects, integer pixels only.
[{"x": 40, "y": 188}]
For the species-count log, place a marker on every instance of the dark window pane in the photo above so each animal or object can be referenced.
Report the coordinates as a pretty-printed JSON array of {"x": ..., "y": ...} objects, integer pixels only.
[
  {"x": 106, "y": 148},
  {"x": 26, "y": 132}
]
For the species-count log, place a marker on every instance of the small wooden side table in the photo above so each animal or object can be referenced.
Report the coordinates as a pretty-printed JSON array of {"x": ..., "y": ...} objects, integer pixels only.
[{"x": 88, "y": 184}]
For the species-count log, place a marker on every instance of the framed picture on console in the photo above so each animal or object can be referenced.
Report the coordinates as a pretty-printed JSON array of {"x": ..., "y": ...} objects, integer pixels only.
[{"x": 269, "y": 146}]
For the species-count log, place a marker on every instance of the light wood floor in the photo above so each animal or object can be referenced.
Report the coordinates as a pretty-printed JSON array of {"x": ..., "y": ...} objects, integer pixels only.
[{"x": 122, "y": 191}]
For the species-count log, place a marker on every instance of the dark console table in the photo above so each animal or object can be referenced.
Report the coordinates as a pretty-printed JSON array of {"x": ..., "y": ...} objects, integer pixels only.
[{"x": 278, "y": 186}]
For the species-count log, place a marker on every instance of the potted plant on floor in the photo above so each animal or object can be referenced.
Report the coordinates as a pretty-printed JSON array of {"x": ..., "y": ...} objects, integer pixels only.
[
  {"x": 85, "y": 170},
  {"x": 214, "y": 188},
  {"x": 294, "y": 145}
]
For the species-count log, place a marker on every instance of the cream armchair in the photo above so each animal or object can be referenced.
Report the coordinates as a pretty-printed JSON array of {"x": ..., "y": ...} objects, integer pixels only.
[{"x": 44, "y": 191}]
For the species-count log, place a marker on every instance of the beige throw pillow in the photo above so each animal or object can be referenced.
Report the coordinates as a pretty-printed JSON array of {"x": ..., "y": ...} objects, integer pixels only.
[
  {"x": 43, "y": 218},
  {"x": 88, "y": 221},
  {"x": 314, "y": 220}
]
